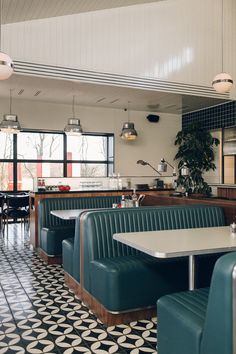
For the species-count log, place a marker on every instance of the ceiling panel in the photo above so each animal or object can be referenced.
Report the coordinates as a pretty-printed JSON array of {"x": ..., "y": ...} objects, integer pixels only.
[
  {"x": 97, "y": 95},
  {"x": 25, "y": 10}
]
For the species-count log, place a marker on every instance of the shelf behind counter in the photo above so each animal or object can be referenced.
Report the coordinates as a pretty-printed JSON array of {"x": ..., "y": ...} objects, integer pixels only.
[
  {"x": 35, "y": 198},
  {"x": 228, "y": 205}
]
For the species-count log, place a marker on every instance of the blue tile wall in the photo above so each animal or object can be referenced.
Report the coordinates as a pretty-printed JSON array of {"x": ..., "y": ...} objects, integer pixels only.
[{"x": 220, "y": 116}]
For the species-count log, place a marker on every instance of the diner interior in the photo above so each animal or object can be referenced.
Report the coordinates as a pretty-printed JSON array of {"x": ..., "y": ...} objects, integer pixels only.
[{"x": 118, "y": 176}]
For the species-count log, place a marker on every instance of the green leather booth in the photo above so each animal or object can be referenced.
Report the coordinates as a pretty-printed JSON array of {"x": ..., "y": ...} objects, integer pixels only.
[
  {"x": 201, "y": 321},
  {"x": 120, "y": 277},
  {"x": 53, "y": 230}
]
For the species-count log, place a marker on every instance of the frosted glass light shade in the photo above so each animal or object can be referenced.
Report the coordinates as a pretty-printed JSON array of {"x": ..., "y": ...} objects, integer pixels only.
[
  {"x": 128, "y": 132},
  {"x": 73, "y": 127},
  {"x": 6, "y": 66},
  {"x": 10, "y": 124},
  {"x": 222, "y": 82}
]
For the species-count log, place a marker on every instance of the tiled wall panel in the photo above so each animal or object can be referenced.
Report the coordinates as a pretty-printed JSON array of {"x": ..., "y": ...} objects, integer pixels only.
[{"x": 213, "y": 118}]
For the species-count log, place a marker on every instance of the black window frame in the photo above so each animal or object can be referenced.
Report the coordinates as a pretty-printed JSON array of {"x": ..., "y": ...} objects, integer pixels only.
[{"x": 15, "y": 160}]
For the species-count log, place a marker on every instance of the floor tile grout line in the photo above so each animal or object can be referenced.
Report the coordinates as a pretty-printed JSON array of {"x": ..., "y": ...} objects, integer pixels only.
[{"x": 43, "y": 279}]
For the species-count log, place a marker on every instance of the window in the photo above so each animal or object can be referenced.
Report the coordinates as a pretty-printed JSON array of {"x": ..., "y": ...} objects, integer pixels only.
[
  {"x": 39, "y": 146},
  {"x": 88, "y": 156},
  {"x": 31, "y": 154}
]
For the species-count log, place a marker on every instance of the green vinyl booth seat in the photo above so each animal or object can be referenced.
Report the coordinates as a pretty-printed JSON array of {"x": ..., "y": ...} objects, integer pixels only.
[
  {"x": 201, "y": 321},
  {"x": 53, "y": 230},
  {"x": 120, "y": 277}
]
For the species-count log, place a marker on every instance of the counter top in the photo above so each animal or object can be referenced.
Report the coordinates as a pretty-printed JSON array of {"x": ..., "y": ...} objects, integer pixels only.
[
  {"x": 227, "y": 186},
  {"x": 100, "y": 191}
]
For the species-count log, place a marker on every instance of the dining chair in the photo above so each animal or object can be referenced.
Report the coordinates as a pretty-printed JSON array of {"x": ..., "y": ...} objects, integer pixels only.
[
  {"x": 17, "y": 208},
  {"x": 2, "y": 201}
]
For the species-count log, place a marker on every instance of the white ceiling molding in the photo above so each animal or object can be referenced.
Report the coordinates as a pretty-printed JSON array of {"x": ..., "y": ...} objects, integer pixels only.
[{"x": 88, "y": 76}]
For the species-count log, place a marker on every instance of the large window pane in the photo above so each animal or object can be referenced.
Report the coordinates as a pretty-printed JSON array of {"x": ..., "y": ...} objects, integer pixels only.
[
  {"x": 39, "y": 146},
  {"x": 6, "y": 146},
  {"x": 6, "y": 176},
  {"x": 87, "y": 147},
  {"x": 111, "y": 149},
  {"x": 86, "y": 170},
  {"x": 27, "y": 171}
]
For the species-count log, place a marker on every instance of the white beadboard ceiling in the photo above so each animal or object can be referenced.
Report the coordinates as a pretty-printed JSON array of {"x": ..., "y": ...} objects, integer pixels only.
[
  {"x": 26, "y": 10},
  {"x": 98, "y": 95}
]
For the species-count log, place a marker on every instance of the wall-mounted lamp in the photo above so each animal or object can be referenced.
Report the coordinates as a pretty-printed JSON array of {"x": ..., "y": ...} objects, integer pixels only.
[
  {"x": 145, "y": 163},
  {"x": 10, "y": 124},
  {"x": 184, "y": 170},
  {"x": 162, "y": 166},
  {"x": 128, "y": 131},
  {"x": 73, "y": 126}
]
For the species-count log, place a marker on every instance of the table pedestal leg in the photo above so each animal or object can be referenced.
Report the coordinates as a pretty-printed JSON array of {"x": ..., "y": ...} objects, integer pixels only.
[{"x": 191, "y": 270}]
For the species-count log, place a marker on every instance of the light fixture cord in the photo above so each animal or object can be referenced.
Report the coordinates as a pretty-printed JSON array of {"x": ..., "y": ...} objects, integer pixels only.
[
  {"x": 222, "y": 35},
  {"x": 10, "y": 100},
  {"x": 0, "y": 24},
  {"x": 73, "y": 107},
  {"x": 128, "y": 111}
]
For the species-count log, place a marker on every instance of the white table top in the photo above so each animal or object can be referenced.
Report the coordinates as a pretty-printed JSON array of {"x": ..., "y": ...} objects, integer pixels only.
[
  {"x": 67, "y": 214},
  {"x": 182, "y": 242}
]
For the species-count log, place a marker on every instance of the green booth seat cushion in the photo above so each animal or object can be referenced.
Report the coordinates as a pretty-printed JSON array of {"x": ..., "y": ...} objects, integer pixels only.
[
  {"x": 67, "y": 251},
  {"x": 51, "y": 239},
  {"x": 51, "y": 228},
  {"x": 181, "y": 313},
  {"x": 135, "y": 281}
]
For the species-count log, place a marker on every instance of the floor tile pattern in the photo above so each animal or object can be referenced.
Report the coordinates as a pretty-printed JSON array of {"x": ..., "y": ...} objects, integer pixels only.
[{"x": 39, "y": 314}]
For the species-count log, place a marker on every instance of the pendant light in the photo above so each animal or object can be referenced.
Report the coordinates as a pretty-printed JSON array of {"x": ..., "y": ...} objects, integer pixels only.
[
  {"x": 6, "y": 63},
  {"x": 73, "y": 126},
  {"x": 10, "y": 124},
  {"x": 222, "y": 82},
  {"x": 128, "y": 131}
]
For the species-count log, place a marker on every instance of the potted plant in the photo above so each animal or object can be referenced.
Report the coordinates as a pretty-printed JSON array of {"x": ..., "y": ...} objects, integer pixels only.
[{"x": 196, "y": 151}]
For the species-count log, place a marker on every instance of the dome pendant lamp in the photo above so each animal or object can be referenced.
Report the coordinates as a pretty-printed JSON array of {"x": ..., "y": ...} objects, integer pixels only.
[
  {"x": 128, "y": 132},
  {"x": 73, "y": 126},
  {"x": 6, "y": 63},
  {"x": 222, "y": 82},
  {"x": 10, "y": 124}
]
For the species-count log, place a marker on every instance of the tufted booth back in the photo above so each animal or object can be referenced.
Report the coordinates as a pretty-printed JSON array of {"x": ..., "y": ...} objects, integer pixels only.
[
  {"x": 219, "y": 327},
  {"x": 99, "y": 227},
  {"x": 46, "y": 205}
]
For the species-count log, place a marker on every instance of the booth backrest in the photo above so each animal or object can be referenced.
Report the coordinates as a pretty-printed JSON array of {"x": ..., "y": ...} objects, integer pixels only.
[
  {"x": 99, "y": 226},
  {"x": 219, "y": 327},
  {"x": 46, "y": 219}
]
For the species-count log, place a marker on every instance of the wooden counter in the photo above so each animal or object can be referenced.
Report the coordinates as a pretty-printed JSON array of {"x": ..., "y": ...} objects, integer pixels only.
[
  {"x": 228, "y": 192},
  {"x": 35, "y": 198},
  {"x": 229, "y": 206}
]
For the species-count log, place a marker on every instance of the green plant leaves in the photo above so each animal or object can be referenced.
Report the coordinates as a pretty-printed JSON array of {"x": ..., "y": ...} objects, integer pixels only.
[{"x": 196, "y": 149}]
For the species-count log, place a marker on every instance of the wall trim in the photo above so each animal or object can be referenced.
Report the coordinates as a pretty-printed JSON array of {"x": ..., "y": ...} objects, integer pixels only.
[{"x": 89, "y": 76}]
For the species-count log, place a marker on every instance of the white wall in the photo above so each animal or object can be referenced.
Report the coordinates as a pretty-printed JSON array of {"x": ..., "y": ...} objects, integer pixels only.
[
  {"x": 155, "y": 140},
  {"x": 174, "y": 40}
]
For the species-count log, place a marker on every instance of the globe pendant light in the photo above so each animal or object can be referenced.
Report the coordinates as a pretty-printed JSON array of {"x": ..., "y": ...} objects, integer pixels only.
[
  {"x": 128, "y": 131},
  {"x": 222, "y": 82},
  {"x": 10, "y": 124},
  {"x": 6, "y": 63},
  {"x": 73, "y": 126}
]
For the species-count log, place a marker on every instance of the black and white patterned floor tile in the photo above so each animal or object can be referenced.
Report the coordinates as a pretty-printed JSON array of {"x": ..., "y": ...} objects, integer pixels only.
[{"x": 39, "y": 314}]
